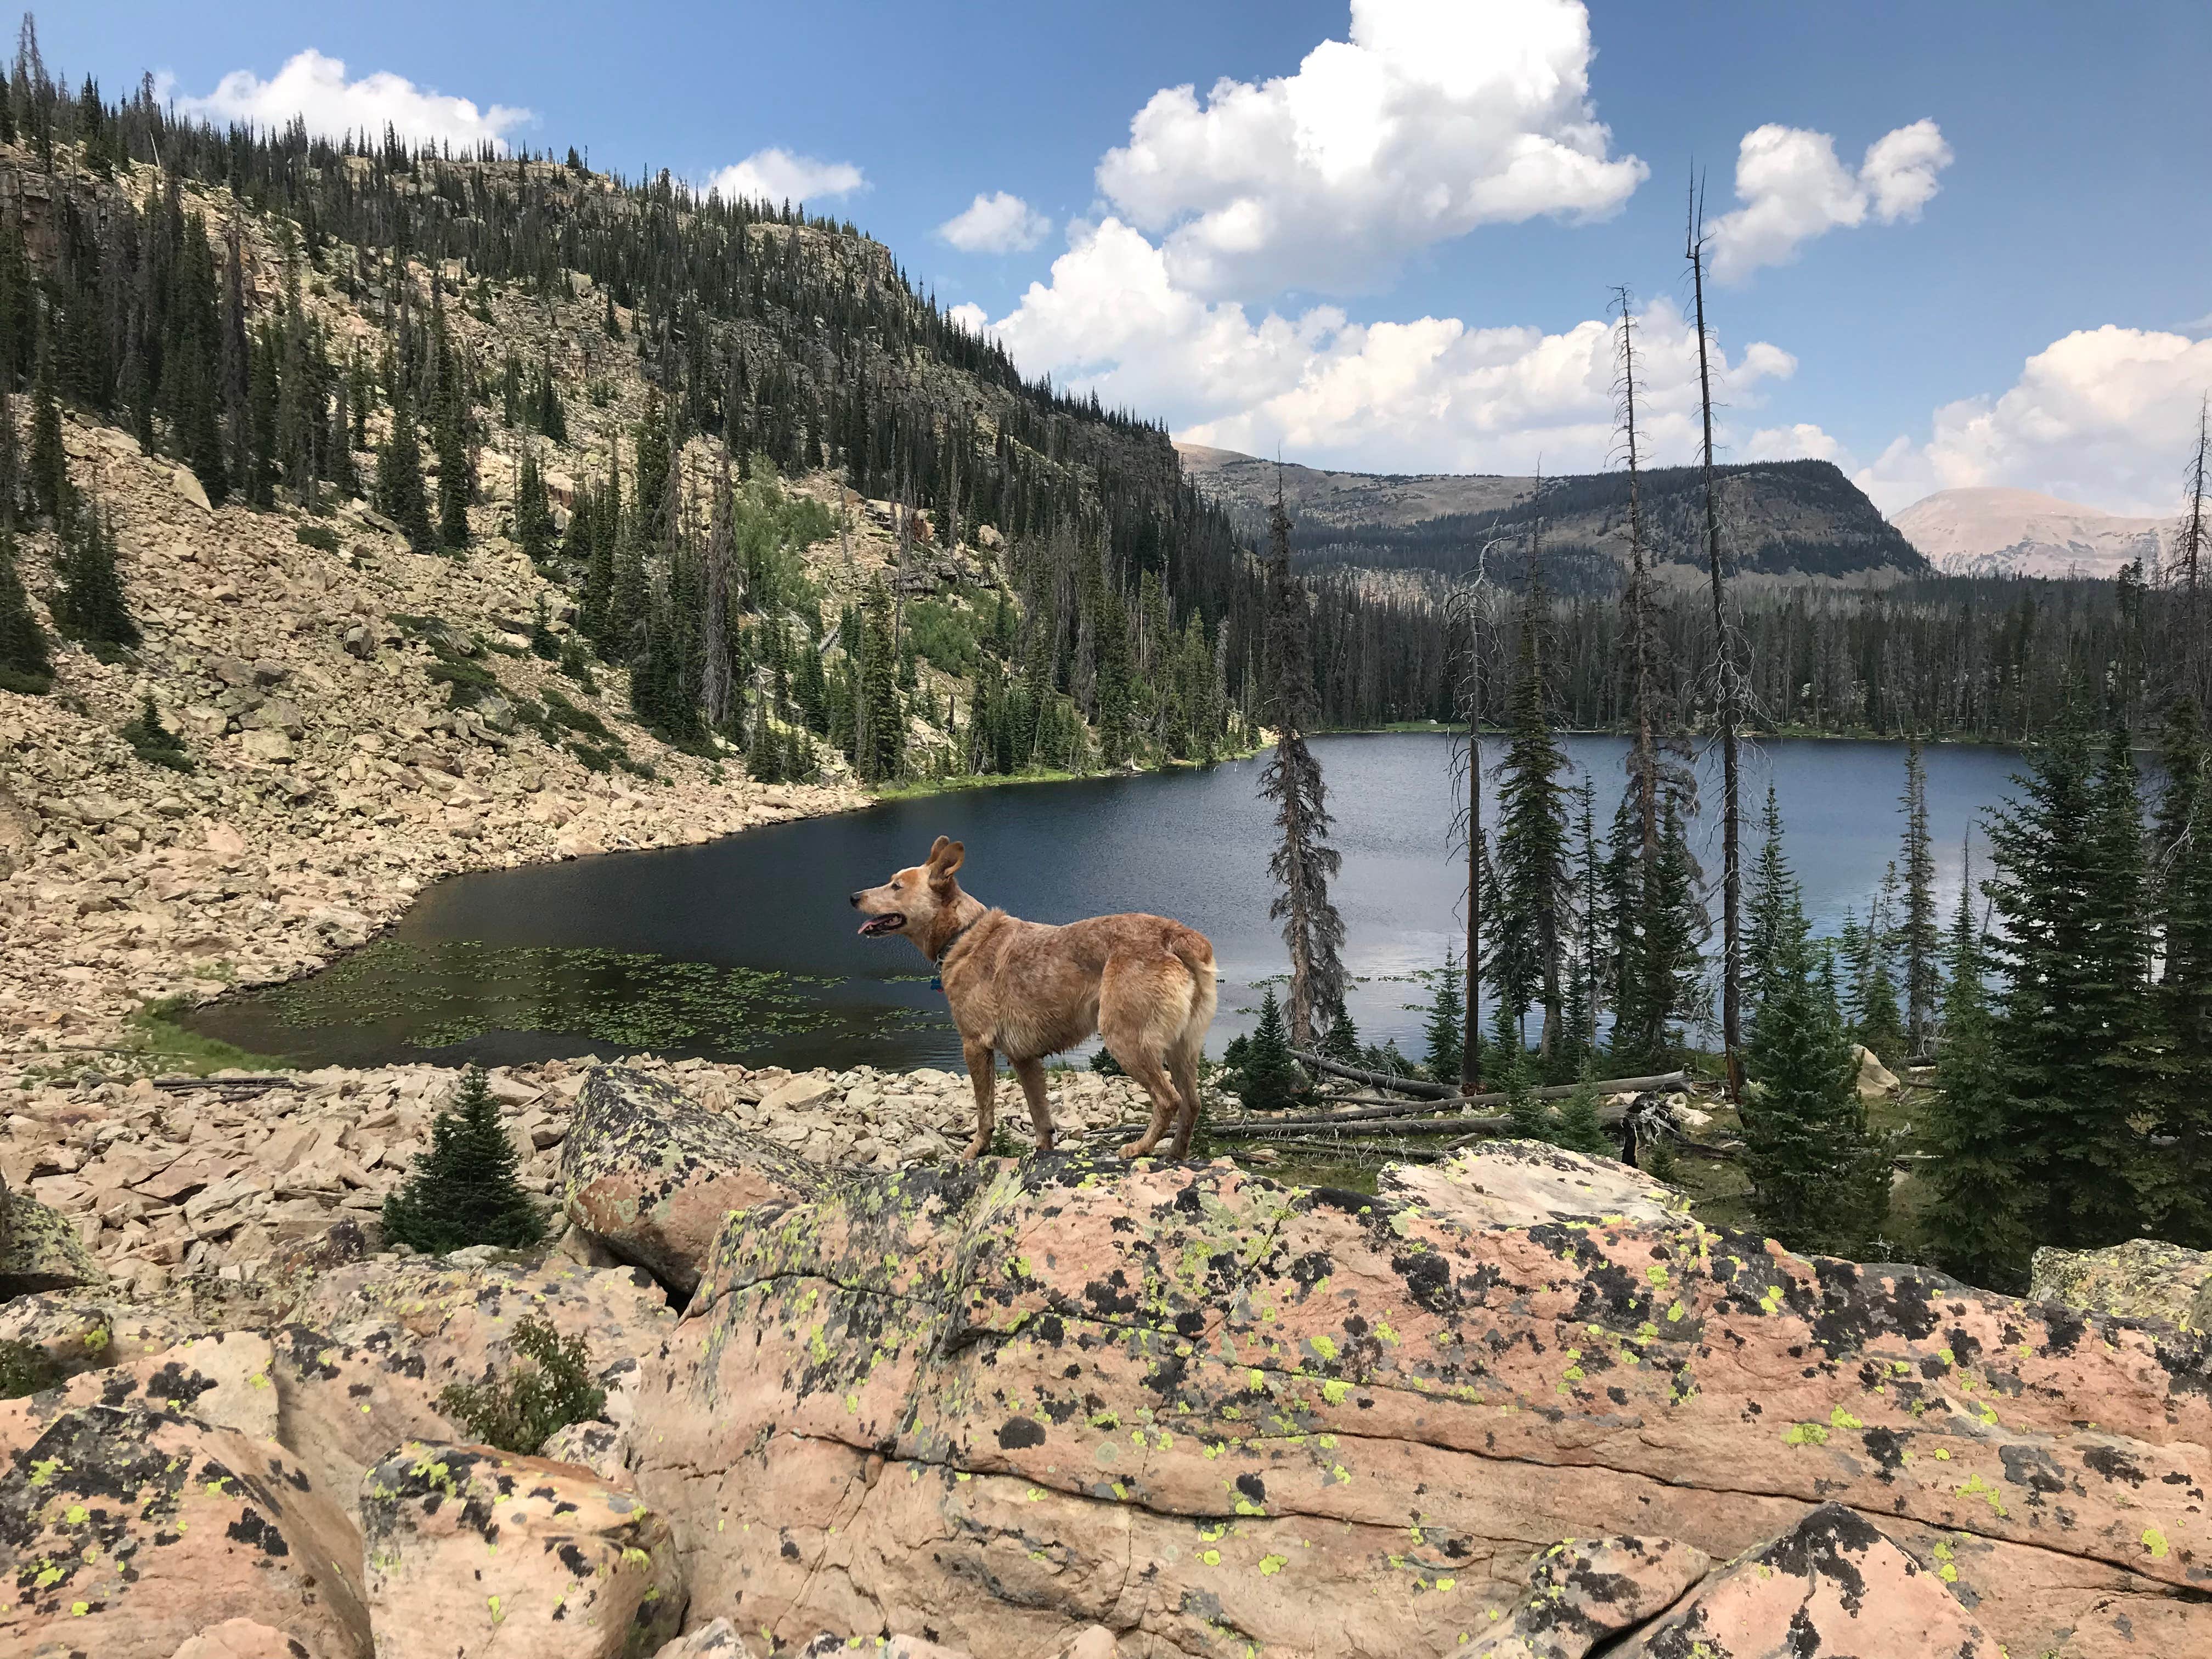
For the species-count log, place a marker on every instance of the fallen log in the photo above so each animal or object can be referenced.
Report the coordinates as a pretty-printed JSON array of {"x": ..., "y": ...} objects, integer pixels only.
[
  {"x": 1418, "y": 1087},
  {"x": 1619, "y": 1086}
]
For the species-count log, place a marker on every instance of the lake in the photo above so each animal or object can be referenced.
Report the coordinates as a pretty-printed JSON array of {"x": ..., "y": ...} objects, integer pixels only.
[{"x": 745, "y": 948}]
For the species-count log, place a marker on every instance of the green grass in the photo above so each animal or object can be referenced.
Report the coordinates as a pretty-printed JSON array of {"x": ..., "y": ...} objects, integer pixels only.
[{"x": 168, "y": 1047}]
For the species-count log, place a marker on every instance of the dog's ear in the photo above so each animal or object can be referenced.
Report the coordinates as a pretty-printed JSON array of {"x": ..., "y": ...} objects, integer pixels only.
[{"x": 944, "y": 857}]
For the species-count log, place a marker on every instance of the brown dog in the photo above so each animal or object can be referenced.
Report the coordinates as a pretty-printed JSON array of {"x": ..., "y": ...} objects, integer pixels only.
[{"x": 1026, "y": 990}]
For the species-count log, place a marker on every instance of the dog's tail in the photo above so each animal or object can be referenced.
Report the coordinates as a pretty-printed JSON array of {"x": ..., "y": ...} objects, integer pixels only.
[{"x": 1195, "y": 951}]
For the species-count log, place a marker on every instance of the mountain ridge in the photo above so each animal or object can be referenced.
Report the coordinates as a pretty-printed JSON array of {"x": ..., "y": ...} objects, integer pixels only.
[{"x": 1782, "y": 518}]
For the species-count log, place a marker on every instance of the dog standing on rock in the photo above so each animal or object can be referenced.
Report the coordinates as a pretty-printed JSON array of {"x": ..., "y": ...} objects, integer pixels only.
[{"x": 1023, "y": 989}]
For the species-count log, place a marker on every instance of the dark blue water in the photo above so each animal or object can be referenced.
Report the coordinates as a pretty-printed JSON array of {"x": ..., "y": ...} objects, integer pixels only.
[{"x": 745, "y": 947}]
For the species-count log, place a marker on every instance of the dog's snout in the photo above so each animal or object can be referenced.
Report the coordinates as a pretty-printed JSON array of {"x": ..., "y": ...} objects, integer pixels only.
[{"x": 853, "y": 897}]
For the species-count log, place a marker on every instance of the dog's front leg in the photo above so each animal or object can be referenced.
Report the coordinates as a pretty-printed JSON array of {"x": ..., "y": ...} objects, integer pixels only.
[
  {"x": 1031, "y": 1072},
  {"x": 983, "y": 1072}
]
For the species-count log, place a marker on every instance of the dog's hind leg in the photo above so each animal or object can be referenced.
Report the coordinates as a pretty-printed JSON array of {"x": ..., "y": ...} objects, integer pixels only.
[
  {"x": 1182, "y": 1067},
  {"x": 1031, "y": 1072},
  {"x": 1142, "y": 1006},
  {"x": 983, "y": 1072}
]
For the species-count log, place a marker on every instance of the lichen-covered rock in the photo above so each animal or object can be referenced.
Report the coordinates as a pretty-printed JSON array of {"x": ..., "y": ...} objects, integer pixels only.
[
  {"x": 1002, "y": 1401},
  {"x": 2143, "y": 1279},
  {"x": 375, "y": 1344},
  {"x": 221, "y": 1380},
  {"x": 599, "y": 1447},
  {"x": 652, "y": 1177},
  {"x": 85, "y": 1331},
  {"x": 1520, "y": 1183},
  {"x": 40, "y": 1249},
  {"x": 473, "y": 1553},
  {"x": 127, "y": 1532},
  {"x": 1584, "y": 1591},
  {"x": 1831, "y": 1585}
]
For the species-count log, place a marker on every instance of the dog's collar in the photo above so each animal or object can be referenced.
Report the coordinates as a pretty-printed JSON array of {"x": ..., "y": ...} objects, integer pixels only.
[{"x": 960, "y": 934}]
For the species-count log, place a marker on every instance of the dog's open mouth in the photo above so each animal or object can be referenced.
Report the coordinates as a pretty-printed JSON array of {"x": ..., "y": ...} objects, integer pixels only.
[{"x": 875, "y": 926}]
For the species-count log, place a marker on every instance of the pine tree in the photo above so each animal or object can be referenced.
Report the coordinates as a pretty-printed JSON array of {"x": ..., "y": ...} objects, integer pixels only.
[
  {"x": 154, "y": 742},
  {"x": 1446, "y": 1008},
  {"x": 1919, "y": 933},
  {"x": 1977, "y": 1226},
  {"x": 91, "y": 605},
  {"x": 466, "y": 1189},
  {"x": 1534, "y": 884},
  {"x": 1820, "y": 1177},
  {"x": 2177, "y": 1191},
  {"x": 883, "y": 717},
  {"x": 533, "y": 516},
  {"x": 1269, "y": 1078},
  {"x": 1341, "y": 1041},
  {"x": 1579, "y": 1128},
  {"x": 1303, "y": 863},
  {"x": 399, "y": 492},
  {"x": 50, "y": 493},
  {"x": 1878, "y": 1028},
  {"x": 2067, "y": 894},
  {"x": 1660, "y": 960},
  {"x": 1505, "y": 1068},
  {"x": 1772, "y": 915},
  {"x": 26, "y": 664}
]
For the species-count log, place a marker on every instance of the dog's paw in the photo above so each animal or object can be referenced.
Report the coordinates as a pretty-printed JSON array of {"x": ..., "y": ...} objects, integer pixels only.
[
  {"x": 977, "y": 1147},
  {"x": 1044, "y": 1144},
  {"x": 1137, "y": 1149}
]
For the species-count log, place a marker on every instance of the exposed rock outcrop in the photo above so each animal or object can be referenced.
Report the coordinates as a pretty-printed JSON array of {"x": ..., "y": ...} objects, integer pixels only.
[
  {"x": 652, "y": 1174},
  {"x": 1520, "y": 1183},
  {"x": 1831, "y": 1583},
  {"x": 1004, "y": 1401},
  {"x": 2143, "y": 1279},
  {"x": 474, "y": 1553},
  {"x": 1585, "y": 1591},
  {"x": 129, "y": 1531}
]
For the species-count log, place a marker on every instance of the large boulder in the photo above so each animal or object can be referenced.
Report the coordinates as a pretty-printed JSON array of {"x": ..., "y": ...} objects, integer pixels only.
[
  {"x": 1519, "y": 1183},
  {"x": 40, "y": 1249},
  {"x": 222, "y": 1380},
  {"x": 652, "y": 1177},
  {"x": 1831, "y": 1585},
  {"x": 129, "y": 1531},
  {"x": 85, "y": 1330},
  {"x": 998, "y": 1402},
  {"x": 475, "y": 1553},
  {"x": 2143, "y": 1279},
  {"x": 373, "y": 1345}
]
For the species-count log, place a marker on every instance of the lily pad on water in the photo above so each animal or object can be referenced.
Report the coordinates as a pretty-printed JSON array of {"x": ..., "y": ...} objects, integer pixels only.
[{"x": 452, "y": 991}]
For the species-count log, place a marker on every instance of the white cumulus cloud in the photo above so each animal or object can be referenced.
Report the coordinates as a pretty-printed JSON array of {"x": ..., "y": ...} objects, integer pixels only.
[
  {"x": 1793, "y": 188},
  {"x": 776, "y": 176},
  {"x": 1434, "y": 117},
  {"x": 314, "y": 88},
  {"x": 2105, "y": 416},
  {"x": 997, "y": 223},
  {"x": 1432, "y": 393}
]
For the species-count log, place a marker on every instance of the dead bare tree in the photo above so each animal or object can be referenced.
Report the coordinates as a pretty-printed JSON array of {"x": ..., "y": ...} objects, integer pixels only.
[
  {"x": 1468, "y": 610},
  {"x": 1727, "y": 691},
  {"x": 2186, "y": 572}
]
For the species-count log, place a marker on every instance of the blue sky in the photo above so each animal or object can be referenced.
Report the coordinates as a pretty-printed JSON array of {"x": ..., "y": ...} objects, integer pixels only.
[{"x": 1393, "y": 250}]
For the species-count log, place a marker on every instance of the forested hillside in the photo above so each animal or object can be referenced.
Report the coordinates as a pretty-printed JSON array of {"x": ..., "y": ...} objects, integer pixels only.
[{"x": 302, "y": 324}]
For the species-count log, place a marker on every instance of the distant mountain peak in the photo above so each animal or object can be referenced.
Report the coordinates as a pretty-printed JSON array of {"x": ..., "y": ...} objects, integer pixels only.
[{"x": 1992, "y": 531}]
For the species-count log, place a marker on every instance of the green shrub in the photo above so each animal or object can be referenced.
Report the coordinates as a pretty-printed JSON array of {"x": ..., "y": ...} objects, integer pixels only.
[
  {"x": 945, "y": 635},
  {"x": 1105, "y": 1065},
  {"x": 154, "y": 742},
  {"x": 1268, "y": 1076},
  {"x": 320, "y": 537},
  {"x": 464, "y": 1190},
  {"x": 563, "y": 713},
  {"x": 521, "y": 1411},
  {"x": 25, "y": 1368}
]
